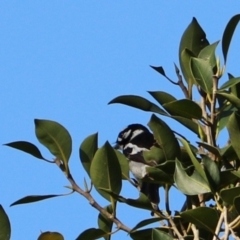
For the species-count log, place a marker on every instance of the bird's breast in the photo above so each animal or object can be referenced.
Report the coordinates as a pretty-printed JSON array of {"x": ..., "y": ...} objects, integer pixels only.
[{"x": 138, "y": 169}]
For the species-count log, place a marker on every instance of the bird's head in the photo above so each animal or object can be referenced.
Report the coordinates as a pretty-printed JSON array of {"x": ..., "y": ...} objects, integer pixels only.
[{"x": 129, "y": 133}]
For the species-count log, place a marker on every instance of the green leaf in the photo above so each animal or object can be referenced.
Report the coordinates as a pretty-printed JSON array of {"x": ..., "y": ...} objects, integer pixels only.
[
  {"x": 210, "y": 148},
  {"x": 223, "y": 116},
  {"x": 230, "y": 83},
  {"x": 87, "y": 151},
  {"x": 184, "y": 108},
  {"x": 105, "y": 223},
  {"x": 188, "y": 123},
  {"x": 226, "y": 178},
  {"x": 193, "y": 39},
  {"x": 155, "y": 153},
  {"x": 35, "y": 198},
  {"x": 146, "y": 222},
  {"x": 233, "y": 127},
  {"x": 55, "y": 138},
  {"x": 236, "y": 203},
  {"x": 228, "y": 152},
  {"x": 5, "y": 227},
  {"x": 203, "y": 74},
  {"x": 208, "y": 54},
  {"x": 230, "y": 97},
  {"x": 158, "y": 176},
  {"x": 138, "y": 102},
  {"x": 162, "y": 72},
  {"x": 212, "y": 172},
  {"x": 185, "y": 62},
  {"x": 124, "y": 164},
  {"x": 165, "y": 138},
  {"x": 228, "y": 33},
  {"x": 26, "y": 147},
  {"x": 157, "y": 235},
  {"x": 105, "y": 171},
  {"x": 194, "y": 160},
  {"x": 145, "y": 234},
  {"x": 228, "y": 195},
  {"x": 162, "y": 97},
  {"x": 142, "y": 202},
  {"x": 201, "y": 217},
  {"x": 50, "y": 236},
  {"x": 91, "y": 234},
  {"x": 189, "y": 185}
]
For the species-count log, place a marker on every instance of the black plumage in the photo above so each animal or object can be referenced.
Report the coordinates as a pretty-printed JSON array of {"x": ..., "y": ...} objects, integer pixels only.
[{"x": 133, "y": 140}]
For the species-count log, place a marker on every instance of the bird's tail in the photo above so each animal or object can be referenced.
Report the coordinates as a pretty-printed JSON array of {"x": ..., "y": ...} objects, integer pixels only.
[{"x": 151, "y": 190}]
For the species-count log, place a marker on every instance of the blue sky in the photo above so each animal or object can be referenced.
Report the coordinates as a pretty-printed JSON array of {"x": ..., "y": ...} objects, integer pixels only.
[{"x": 64, "y": 61}]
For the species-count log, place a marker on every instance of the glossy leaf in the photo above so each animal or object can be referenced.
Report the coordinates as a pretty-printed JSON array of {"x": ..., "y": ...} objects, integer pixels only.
[
  {"x": 35, "y": 198},
  {"x": 138, "y": 102},
  {"x": 87, "y": 151},
  {"x": 230, "y": 97},
  {"x": 226, "y": 178},
  {"x": 193, "y": 39},
  {"x": 165, "y": 138},
  {"x": 223, "y": 117},
  {"x": 155, "y": 153},
  {"x": 145, "y": 234},
  {"x": 158, "y": 176},
  {"x": 212, "y": 172},
  {"x": 203, "y": 74},
  {"x": 26, "y": 147},
  {"x": 141, "y": 202},
  {"x": 236, "y": 203},
  {"x": 210, "y": 148},
  {"x": 208, "y": 54},
  {"x": 105, "y": 171},
  {"x": 228, "y": 195},
  {"x": 5, "y": 226},
  {"x": 228, "y": 152},
  {"x": 184, "y": 108},
  {"x": 189, "y": 185},
  {"x": 228, "y": 33},
  {"x": 105, "y": 223},
  {"x": 162, "y": 97},
  {"x": 157, "y": 234},
  {"x": 235, "y": 89},
  {"x": 185, "y": 62},
  {"x": 146, "y": 222},
  {"x": 188, "y": 123},
  {"x": 194, "y": 160},
  {"x": 201, "y": 217},
  {"x": 230, "y": 83},
  {"x": 55, "y": 138},
  {"x": 50, "y": 236},
  {"x": 124, "y": 164},
  {"x": 91, "y": 234},
  {"x": 233, "y": 127}
]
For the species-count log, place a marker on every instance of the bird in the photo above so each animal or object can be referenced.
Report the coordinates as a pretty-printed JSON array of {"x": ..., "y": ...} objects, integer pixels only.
[{"x": 132, "y": 141}]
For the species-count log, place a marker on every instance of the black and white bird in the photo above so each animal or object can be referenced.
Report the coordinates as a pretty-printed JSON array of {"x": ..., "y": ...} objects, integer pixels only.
[{"x": 133, "y": 140}]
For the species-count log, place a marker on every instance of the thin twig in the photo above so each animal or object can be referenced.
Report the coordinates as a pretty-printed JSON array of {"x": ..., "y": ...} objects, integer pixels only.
[
  {"x": 225, "y": 224},
  {"x": 92, "y": 201},
  {"x": 218, "y": 228},
  {"x": 195, "y": 232},
  {"x": 180, "y": 82},
  {"x": 174, "y": 227}
]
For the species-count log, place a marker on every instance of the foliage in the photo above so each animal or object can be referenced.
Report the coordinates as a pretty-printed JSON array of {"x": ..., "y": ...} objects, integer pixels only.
[{"x": 202, "y": 171}]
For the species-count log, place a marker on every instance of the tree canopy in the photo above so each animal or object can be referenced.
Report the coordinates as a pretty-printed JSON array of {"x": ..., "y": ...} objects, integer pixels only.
[{"x": 206, "y": 173}]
